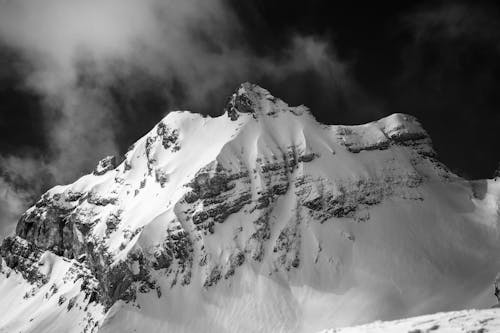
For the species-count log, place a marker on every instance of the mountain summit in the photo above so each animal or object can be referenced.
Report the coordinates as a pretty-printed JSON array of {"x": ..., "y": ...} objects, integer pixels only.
[{"x": 259, "y": 220}]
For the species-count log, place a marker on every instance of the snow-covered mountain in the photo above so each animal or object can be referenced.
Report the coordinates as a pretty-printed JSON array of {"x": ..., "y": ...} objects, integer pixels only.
[{"x": 259, "y": 220}]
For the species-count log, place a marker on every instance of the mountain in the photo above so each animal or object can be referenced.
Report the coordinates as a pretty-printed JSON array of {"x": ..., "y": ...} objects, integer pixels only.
[{"x": 259, "y": 220}]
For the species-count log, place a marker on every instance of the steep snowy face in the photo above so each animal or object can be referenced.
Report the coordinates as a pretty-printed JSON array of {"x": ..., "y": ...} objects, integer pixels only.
[{"x": 261, "y": 219}]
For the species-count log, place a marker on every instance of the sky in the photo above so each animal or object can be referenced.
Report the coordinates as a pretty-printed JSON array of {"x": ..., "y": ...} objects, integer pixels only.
[{"x": 82, "y": 79}]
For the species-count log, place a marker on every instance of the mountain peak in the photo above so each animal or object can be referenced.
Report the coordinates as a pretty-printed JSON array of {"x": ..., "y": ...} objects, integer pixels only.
[{"x": 252, "y": 99}]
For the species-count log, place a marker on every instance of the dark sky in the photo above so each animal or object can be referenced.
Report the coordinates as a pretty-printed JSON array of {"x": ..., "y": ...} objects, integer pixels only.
[
  {"x": 92, "y": 78},
  {"x": 436, "y": 60}
]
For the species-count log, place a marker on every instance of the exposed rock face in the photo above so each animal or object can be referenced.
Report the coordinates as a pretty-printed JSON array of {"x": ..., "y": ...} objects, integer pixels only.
[
  {"x": 106, "y": 164},
  {"x": 174, "y": 256},
  {"x": 240, "y": 102},
  {"x": 385, "y": 133},
  {"x": 496, "y": 286},
  {"x": 22, "y": 256},
  {"x": 198, "y": 202},
  {"x": 169, "y": 137},
  {"x": 48, "y": 226}
]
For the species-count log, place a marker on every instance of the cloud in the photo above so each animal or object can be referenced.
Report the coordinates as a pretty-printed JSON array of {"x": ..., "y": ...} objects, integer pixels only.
[
  {"x": 78, "y": 48},
  {"x": 197, "y": 45},
  {"x": 12, "y": 205},
  {"x": 22, "y": 179},
  {"x": 98, "y": 63},
  {"x": 308, "y": 53}
]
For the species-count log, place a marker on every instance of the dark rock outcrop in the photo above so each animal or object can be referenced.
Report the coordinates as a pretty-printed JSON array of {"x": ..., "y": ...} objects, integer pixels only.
[
  {"x": 239, "y": 102},
  {"x": 23, "y": 257},
  {"x": 106, "y": 164}
]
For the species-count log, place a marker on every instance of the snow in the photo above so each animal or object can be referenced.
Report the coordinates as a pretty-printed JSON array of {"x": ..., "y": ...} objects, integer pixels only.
[
  {"x": 446, "y": 322},
  {"x": 28, "y": 308}
]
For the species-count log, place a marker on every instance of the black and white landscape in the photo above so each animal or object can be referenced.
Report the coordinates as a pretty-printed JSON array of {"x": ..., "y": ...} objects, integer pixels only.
[{"x": 357, "y": 194}]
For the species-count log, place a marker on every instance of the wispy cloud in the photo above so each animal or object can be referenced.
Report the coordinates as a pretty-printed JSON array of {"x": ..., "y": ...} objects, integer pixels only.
[
  {"x": 194, "y": 52},
  {"x": 21, "y": 180},
  {"x": 456, "y": 20}
]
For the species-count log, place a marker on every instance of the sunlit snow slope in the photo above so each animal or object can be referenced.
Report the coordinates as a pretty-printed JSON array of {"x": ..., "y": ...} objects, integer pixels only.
[{"x": 260, "y": 220}]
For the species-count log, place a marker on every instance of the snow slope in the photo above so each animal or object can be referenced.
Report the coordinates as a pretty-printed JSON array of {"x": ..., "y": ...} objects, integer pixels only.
[
  {"x": 45, "y": 293},
  {"x": 262, "y": 219},
  {"x": 474, "y": 321}
]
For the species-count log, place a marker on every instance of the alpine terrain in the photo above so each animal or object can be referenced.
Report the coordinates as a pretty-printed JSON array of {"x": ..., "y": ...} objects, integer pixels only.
[{"x": 259, "y": 220}]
